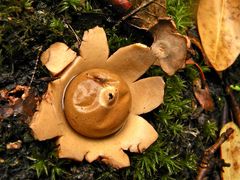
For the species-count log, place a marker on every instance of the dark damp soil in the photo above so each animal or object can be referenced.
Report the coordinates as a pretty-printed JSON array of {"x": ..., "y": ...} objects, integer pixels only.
[{"x": 185, "y": 130}]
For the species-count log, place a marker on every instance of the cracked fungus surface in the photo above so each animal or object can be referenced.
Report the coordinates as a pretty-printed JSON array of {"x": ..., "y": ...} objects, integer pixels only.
[{"x": 94, "y": 106}]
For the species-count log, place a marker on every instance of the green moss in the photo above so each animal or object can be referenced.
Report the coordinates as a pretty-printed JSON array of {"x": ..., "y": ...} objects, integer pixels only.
[
  {"x": 71, "y": 5},
  {"x": 182, "y": 13},
  {"x": 210, "y": 129},
  {"x": 115, "y": 40}
]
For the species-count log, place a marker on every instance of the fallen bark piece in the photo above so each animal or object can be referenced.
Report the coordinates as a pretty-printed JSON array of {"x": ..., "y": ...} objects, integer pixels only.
[
  {"x": 219, "y": 29},
  {"x": 230, "y": 152}
]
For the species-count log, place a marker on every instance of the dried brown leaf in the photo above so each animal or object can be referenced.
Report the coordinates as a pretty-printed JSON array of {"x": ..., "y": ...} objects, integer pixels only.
[
  {"x": 148, "y": 15},
  {"x": 17, "y": 101},
  {"x": 169, "y": 47},
  {"x": 219, "y": 29},
  {"x": 203, "y": 95}
]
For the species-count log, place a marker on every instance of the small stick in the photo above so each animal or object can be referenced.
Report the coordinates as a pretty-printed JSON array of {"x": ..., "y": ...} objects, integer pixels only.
[
  {"x": 35, "y": 67},
  {"x": 144, "y": 4},
  {"x": 205, "y": 166}
]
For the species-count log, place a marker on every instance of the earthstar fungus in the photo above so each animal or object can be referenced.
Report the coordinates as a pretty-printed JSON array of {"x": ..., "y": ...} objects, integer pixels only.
[{"x": 93, "y": 106}]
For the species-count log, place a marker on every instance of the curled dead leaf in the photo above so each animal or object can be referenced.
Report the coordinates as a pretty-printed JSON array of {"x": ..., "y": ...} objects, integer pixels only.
[
  {"x": 203, "y": 95},
  {"x": 148, "y": 14},
  {"x": 17, "y": 101},
  {"x": 169, "y": 47},
  {"x": 230, "y": 152},
  {"x": 219, "y": 29}
]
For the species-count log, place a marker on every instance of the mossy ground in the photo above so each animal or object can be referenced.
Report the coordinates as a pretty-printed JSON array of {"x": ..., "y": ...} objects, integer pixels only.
[{"x": 27, "y": 26}]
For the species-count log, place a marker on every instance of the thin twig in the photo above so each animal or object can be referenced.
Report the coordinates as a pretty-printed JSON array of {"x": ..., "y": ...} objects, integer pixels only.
[
  {"x": 208, "y": 154},
  {"x": 75, "y": 34},
  {"x": 142, "y": 5},
  {"x": 35, "y": 67}
]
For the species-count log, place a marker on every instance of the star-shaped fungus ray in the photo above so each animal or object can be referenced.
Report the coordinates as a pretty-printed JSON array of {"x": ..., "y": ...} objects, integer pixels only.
[
  {"x": 94, "y": 48},
  {"x": 57, "y": 57},
  {"x": 143, "y": 91},
  {"x": 131, "y": 137},
  {"x": 131, "y": 62}
]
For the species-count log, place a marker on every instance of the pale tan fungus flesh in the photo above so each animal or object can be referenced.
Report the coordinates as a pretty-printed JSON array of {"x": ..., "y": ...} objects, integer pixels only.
[
  {"x": 49, "y": 119},
  {"x": 230, "y": 152},
  {"x": 57, "y": 57},
  {"x": 135, "y": 135},
  {"x": 169, "y": 47},
  {"x": 94, "y": 48},
  {"x": 97, "y": 103},
  {"x": 131, "y": 62},
  {"x": 143, "y": 90}
]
